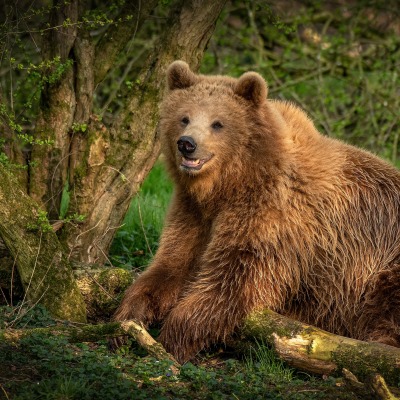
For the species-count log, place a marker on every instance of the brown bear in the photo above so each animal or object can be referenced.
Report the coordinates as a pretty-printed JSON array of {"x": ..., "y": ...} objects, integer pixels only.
[{"x": 267, "y": 212}]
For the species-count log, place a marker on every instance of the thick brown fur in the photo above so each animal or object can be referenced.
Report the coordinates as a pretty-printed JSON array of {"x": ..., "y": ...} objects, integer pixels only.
[{"x": 279, "y": 216}]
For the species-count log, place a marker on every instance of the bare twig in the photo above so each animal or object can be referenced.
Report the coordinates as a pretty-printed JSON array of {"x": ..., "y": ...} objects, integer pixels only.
[{"x": 33, "y": 272}]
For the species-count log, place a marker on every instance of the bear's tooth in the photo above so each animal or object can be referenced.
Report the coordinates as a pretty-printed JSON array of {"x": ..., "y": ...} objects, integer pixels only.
[{"x": 188, "y": 161}]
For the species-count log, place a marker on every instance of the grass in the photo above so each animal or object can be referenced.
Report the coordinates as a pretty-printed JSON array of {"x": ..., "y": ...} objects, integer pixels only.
[
  {"x": 137, "y": 241},
  {"x": 262, "y": 358}
]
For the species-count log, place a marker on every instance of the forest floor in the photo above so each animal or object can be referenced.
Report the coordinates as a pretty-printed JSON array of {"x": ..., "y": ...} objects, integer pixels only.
[{"x": 41, "y": 367}]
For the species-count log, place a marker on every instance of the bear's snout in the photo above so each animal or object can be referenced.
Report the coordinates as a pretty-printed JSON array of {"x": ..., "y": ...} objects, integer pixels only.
[{"x": 186, "y": 145}]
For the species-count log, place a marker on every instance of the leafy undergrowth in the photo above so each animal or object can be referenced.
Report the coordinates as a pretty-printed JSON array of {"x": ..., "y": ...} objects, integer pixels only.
[{"x": 40, "y": 367}]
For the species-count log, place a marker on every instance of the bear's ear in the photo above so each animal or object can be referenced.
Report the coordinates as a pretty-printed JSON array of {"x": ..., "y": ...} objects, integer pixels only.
[
  {"x": 180, "y": 76},
  {"x": 252, "y": 87}
]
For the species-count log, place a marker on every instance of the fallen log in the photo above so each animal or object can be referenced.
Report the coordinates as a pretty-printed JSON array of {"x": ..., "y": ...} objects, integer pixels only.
[{"x": 314, "y": 350}]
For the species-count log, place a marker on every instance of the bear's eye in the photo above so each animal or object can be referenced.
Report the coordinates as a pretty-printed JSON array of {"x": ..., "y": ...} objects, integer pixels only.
[
  {"x": 217, "y": 126},
  {"x": 185, "y": 121}
]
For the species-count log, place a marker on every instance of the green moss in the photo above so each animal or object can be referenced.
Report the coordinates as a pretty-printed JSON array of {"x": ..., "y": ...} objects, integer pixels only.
[
  {"x": 106, "y": 291},
  {"x": 260, "y": 325},
  {"x": 111, "y": 283},
  {"x": 91, "y": 332},
  {"x": 363, "y": 362}
]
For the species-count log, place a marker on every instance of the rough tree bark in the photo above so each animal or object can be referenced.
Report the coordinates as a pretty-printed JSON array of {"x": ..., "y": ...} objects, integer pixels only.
[
  {"x": 105, "y": 165},
  {"x": 43, "y": 268}
]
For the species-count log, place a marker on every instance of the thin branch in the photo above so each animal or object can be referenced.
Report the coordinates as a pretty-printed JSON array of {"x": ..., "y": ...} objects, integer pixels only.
[
  {"x": 4, "y": 391},
  {"x": 4, "y": 296},
  {"x": 12, "y": 278},
  {"x": 142, "y": 226},
  {"x": 33, "y": 272}
]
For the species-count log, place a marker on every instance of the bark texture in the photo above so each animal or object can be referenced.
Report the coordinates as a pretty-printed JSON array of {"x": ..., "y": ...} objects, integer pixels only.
[
  {"x": 44, "y": 271},
  {"x": 105, "y": 165}
]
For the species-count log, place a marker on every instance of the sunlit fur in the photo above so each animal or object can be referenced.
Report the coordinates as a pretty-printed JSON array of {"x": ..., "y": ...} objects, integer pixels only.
[{"x": 280, "y": 217}]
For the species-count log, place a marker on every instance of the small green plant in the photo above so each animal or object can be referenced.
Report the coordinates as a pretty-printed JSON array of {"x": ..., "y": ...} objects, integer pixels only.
[
  {"x": 29, "y": 139},
  {"x": 41, "y": 224},
  {"x": 64, "y": 205},
  {"x": 62, "y": 387},
  {"x": 79, "y": 127},
  {"x": 74, "y": 218}
]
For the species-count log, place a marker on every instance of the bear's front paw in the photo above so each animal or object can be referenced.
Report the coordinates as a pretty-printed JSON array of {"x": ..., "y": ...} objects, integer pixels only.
[
  {"x": 135, "y": 305},
  {"x": 182, "y": 337},
  {"x": 183, "y": 349},
  {"x": 148, "y": 300}
]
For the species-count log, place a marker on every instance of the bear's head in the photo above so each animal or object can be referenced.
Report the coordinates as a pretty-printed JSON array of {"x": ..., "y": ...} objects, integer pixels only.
[{"x": 207, "y": 121}]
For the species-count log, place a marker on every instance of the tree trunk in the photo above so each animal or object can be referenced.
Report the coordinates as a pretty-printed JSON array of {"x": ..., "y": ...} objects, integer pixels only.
[
  {"x": 43, "y": 268},
  {"x": 49, "y": 163},
  {"x": 115, "y": 160},
  {"x": 105, "y": 165}
]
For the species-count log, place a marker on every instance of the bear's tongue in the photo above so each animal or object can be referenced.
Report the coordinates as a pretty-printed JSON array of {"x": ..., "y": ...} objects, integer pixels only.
[{"x": 187, "y": 162}]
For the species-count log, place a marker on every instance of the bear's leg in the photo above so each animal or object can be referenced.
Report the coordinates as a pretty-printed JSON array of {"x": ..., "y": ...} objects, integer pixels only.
[
  {"x": 381, "y": 313},
  {"x": 226, "y": 290},
  {"x": 152, "y": 295},
  {"x": 201, "y": 318}
]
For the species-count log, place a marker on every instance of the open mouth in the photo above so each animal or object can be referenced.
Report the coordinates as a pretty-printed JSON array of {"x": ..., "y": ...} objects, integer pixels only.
[{"x": 193, "y": 163}]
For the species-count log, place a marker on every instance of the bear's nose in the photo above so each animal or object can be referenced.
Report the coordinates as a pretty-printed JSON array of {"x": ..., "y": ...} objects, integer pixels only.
[{"x": 186, "y": 145}]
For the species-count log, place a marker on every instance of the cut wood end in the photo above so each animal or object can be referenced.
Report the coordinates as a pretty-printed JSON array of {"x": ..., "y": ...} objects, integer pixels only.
[{"x": 295, "y": 351}]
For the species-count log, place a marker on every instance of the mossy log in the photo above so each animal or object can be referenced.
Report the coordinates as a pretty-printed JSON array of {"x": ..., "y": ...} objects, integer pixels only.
[
  {"x": 314, "y": 350},
  {"x": 45, "y": 273}
]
